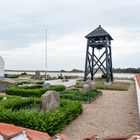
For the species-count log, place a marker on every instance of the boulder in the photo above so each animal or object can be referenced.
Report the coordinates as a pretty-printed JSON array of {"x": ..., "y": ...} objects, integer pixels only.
[
  {"x": 37, "y": 75},
  {"x": 92, "y": 85},
  {"x": 46, "y": 85},
  {"x": 85, "y": 88},
  {"x": 50, "y": 100}
]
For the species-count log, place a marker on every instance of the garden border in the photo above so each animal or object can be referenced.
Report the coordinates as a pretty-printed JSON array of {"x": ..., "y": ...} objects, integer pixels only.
[{"x": 137, "y": 84}]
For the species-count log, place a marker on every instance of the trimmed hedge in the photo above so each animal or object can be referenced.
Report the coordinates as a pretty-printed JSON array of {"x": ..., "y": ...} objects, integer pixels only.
[
  {"x": 32, "y": 87},
  {"x": 31, "y": 91},
  {"x": 16, "y": 103},
  {"x": 50, "y": 122},
  {"x": 25, "y": 92},
  {"x": 56, "y": 87},
  {"x": 11, "y": 75},
  {"x": 77, "y": 94}
]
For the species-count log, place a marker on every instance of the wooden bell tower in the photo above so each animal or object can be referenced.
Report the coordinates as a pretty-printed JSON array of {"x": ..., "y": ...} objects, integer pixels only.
[{"x": 100, "y": 40}]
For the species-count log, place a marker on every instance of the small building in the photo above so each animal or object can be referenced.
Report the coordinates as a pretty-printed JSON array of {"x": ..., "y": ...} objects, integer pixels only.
[{"x": 2, "y": 64}]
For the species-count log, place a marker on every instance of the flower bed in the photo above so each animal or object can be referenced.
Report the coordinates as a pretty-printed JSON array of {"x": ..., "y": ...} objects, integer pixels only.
[
  {"x": 31, "y": 91},
  {"x": 77, "y": 94},
  {"x": 37, "y": 91},
  {"x": 12, "y": 111}
]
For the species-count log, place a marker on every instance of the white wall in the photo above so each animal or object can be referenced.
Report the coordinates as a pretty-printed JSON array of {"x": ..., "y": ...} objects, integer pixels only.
[
  {"x": 69, "y": 83},
  {"x": 138, "y": 94},
  {"x": 2, "y": 64}
]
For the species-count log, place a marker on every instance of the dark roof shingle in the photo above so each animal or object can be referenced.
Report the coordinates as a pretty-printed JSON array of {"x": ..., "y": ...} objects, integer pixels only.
[{"x": 99, "y": 32}]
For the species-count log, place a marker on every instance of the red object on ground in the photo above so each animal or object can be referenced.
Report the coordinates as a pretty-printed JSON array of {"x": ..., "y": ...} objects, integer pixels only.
[
  {"x": 138, "y": 79},
  {"x": 36, "y": 135},
  {"x": 9, "y": 131}
]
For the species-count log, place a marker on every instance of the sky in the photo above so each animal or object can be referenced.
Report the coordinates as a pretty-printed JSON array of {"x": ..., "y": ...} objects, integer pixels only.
[{"x": 23, "y": 24}]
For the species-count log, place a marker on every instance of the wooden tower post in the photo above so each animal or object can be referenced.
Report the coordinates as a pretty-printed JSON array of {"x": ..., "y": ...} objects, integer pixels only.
[{"x": 98, "y": 39}]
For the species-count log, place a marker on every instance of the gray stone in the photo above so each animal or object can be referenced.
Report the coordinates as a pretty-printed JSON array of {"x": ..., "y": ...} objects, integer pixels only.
[
  {"x": 85, "y": 88},
  {"x": 46, "y": 85},
  {"x": 108, "y": 83},
  {"x": 92, "y": 85},
  {"x": 37, "y": 75},
  {"x": 50, "y": 100}
]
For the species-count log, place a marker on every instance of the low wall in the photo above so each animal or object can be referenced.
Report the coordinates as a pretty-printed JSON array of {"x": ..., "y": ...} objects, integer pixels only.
[
  {"x": 69, "y": 83},
  {"x": 137, "y": 83}
]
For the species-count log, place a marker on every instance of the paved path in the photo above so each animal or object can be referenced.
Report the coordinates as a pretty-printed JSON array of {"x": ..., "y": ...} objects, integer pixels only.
[{"x": 115, "y": 113}]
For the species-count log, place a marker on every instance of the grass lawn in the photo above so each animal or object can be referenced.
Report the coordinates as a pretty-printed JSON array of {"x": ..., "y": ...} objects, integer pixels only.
[
  {"x": 99, "y": 84},
  {"x": 115, "y": 86}
]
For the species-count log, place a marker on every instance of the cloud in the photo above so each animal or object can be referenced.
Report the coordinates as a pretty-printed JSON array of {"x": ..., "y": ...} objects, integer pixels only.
[{"x": 23, "y": 24}]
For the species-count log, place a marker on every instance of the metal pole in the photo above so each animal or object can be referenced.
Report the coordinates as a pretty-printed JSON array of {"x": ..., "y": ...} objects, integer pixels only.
[
  {"x": 86, "y": 61},
  {"x": 45, "y": 53}
]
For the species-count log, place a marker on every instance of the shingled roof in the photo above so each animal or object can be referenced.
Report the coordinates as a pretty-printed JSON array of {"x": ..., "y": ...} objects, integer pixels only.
[{"x": 99, "y": 32}]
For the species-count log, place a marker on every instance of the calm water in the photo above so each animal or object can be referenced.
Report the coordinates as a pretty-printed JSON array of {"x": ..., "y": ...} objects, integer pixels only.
[{"x": 55, "y": 74}]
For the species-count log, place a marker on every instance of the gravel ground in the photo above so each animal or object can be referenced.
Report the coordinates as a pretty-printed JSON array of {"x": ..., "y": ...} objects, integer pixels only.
[{"x": 115, "y": 113}]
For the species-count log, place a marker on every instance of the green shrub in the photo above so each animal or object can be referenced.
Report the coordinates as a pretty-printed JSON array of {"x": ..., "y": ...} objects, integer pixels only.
[
  {"x": 104, "y": 76},
  {"x": 24, "y": 73},
  {"x": 17, "y": 103},
  {"x": 31, "y": 91},
  {"x": 22, "y": 82},
  {"x": 50, "y": 122},
  {"x": 11, "y": 76},
  {"x": 25, "y": 92},
  {"x": 31, "y": 87},
  {"x": 56, "y": 87},
  {"x": 39, "y": 82},
  {"x": 77, "y": 94}
]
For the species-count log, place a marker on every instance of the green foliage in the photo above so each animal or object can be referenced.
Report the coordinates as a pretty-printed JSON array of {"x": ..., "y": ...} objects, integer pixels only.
[
  {"x": 60, "y": 76},
  {"x": 51, "y": 122},
  {"x": 39, "y": 82},
  {"x": 23, "y": 74},
  {"x": 16, "y": 103},
  {"x": 127, "y": 70},
  {"x": 22, "y": 82},
  {"x": 77, "y": 94},
  {"x": 11, "y": 76},
  {"x": 56, "y": 87},
  {"x": 31, "y": 87},
  {"x": 32, "y": 91},
  {"x": 20, "y": 91},
  {"x": 104, "y": 76}
]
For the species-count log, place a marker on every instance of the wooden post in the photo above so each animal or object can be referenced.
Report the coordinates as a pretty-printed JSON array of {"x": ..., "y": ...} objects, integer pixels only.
[
  {"x": 107, "y": 65},
  {"x": 92, "y": 59}
]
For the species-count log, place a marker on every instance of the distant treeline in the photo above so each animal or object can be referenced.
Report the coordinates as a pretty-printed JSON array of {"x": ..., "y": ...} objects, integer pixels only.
[{"x": 126, "y": 70}]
